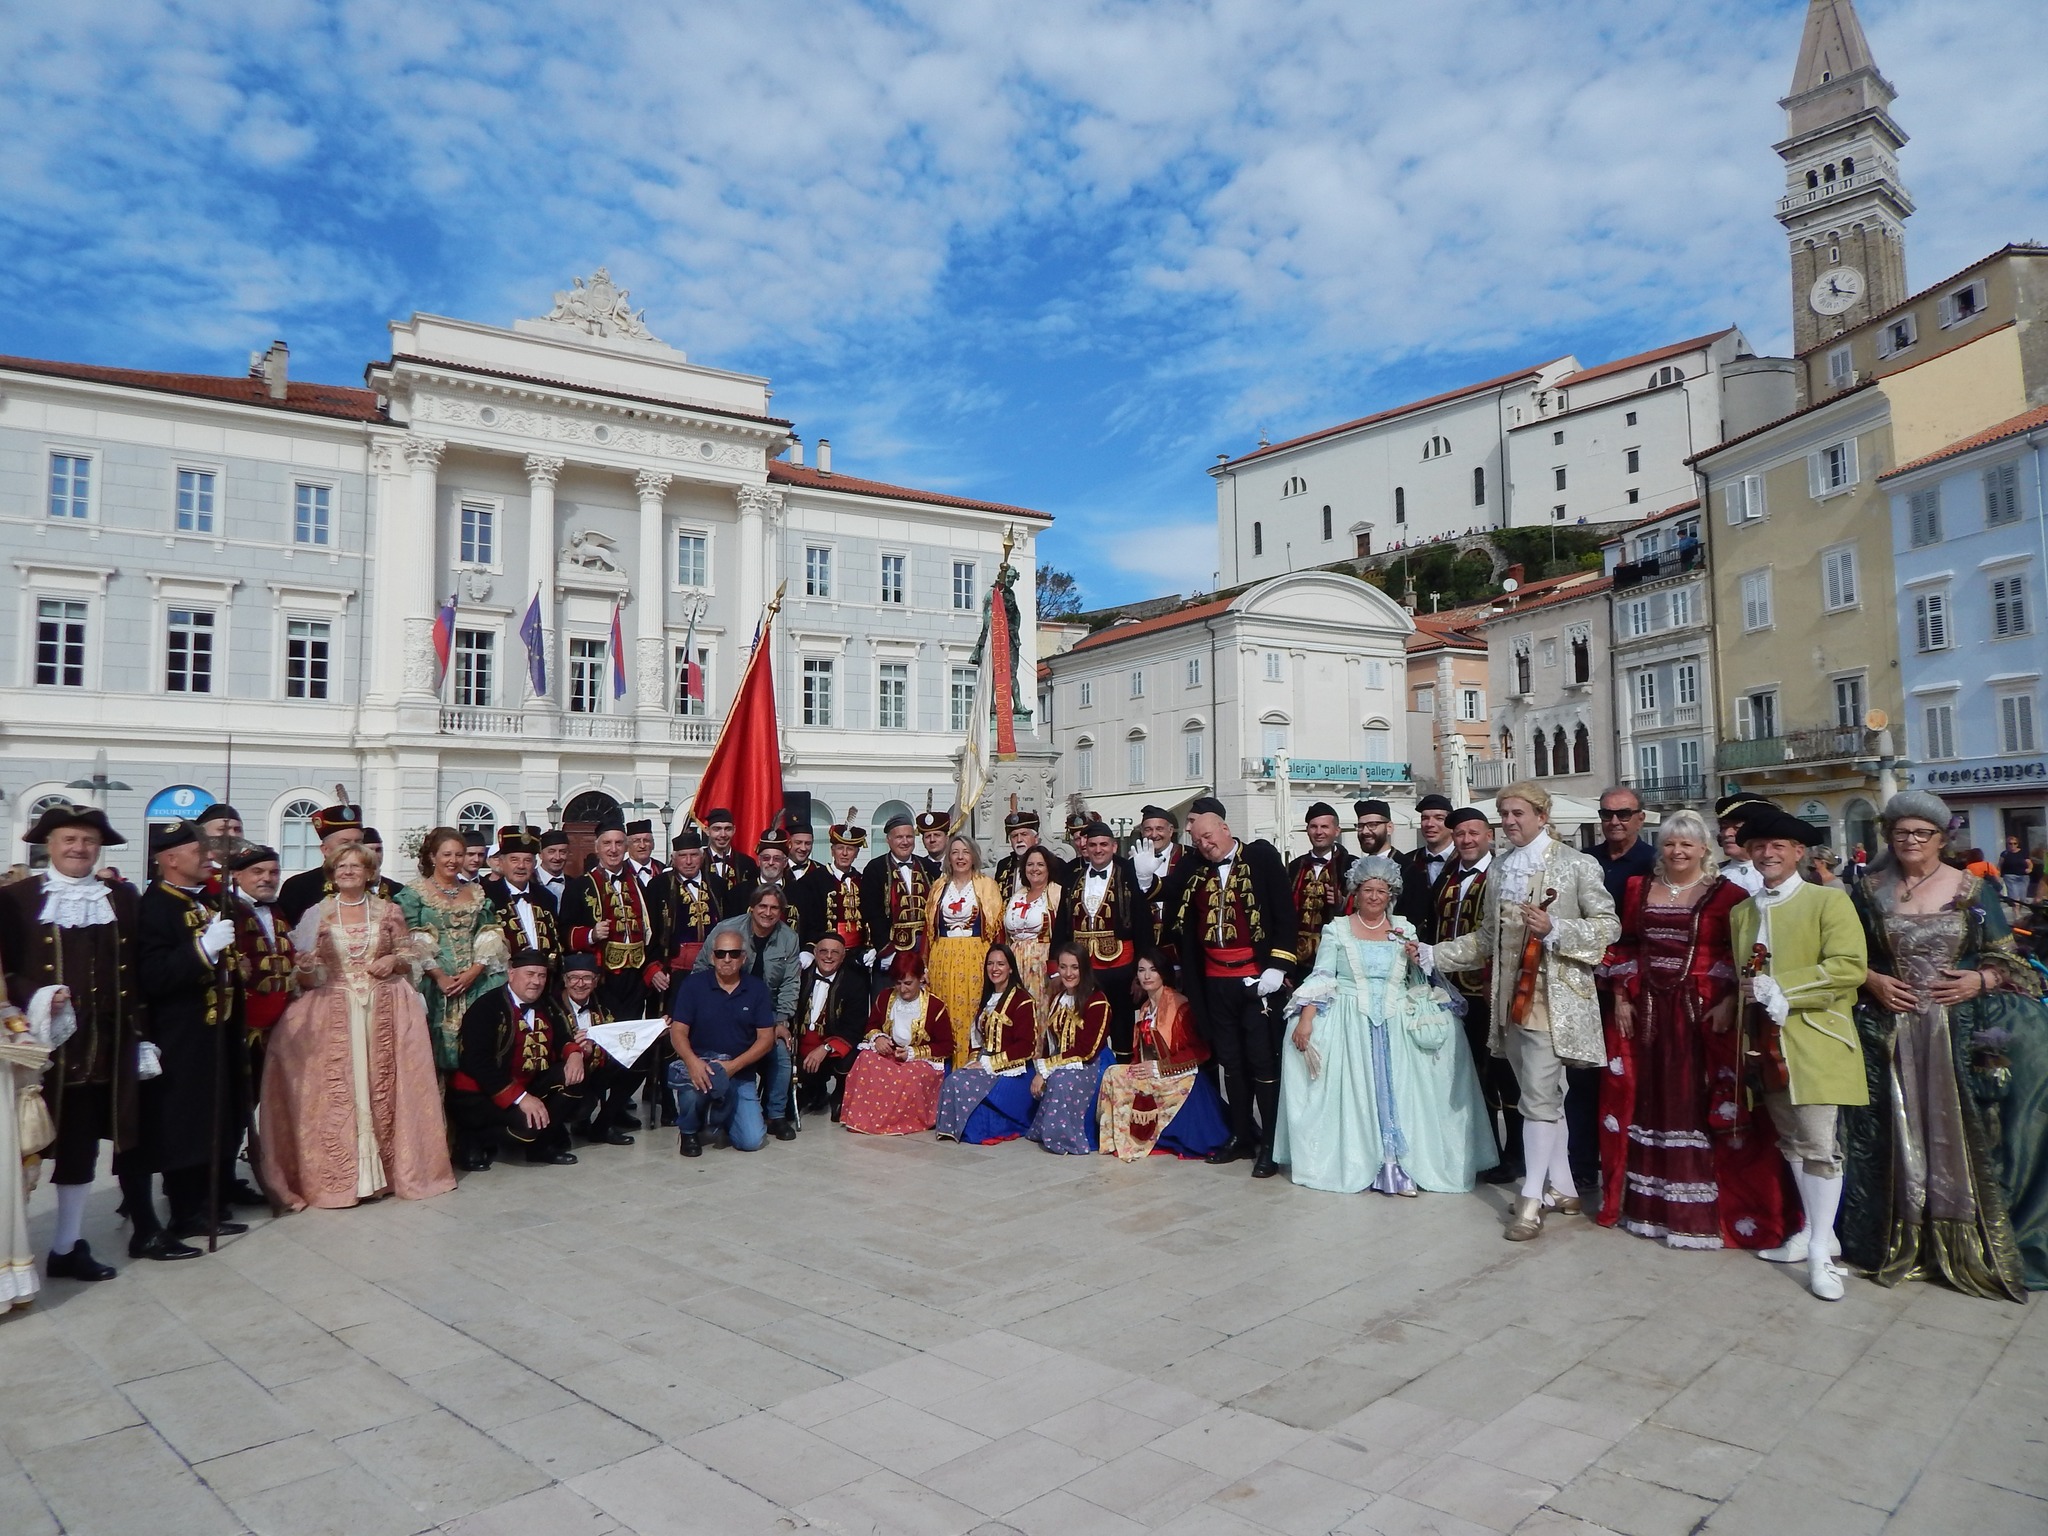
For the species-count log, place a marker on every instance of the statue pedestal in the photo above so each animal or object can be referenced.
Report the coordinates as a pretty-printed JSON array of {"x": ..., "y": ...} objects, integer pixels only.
[{"x": 1033, "y": 777}]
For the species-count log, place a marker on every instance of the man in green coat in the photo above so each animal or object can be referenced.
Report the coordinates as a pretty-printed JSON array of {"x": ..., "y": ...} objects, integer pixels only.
[{"x": 1802, "y": 1044}]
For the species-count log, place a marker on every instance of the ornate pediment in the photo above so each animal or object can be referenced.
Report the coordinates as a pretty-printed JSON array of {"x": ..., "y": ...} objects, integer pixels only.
[{"x": 599, "y": 307}]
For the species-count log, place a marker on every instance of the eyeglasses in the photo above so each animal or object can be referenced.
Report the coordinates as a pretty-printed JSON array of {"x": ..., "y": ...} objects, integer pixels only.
[
  {"x": 1374, "y": 826},
  {"x": 1607, "y": 815},
  {"x": 727, "y": 954},
  {"x": 1914, "y": 834}
]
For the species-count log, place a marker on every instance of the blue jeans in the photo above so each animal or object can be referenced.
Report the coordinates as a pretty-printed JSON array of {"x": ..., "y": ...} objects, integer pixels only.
[
  {"x": 734, "y": 1107},
  {"x": 775, "y": 1080}
]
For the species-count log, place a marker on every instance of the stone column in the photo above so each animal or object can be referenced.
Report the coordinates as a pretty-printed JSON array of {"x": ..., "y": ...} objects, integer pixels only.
[
  {"x": 755, "y": 501},
  {"x": 541, "y": 472},
  {"x": 421, "y": 665},
  {"x": 650, "y": 683}
]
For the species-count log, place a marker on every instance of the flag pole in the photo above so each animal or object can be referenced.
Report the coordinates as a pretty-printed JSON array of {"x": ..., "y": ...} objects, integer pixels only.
[{"x": 761, "y": 629}]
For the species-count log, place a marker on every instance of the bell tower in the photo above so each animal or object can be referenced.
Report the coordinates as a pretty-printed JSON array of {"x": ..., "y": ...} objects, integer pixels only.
[{"x": 1844, "y": 208}]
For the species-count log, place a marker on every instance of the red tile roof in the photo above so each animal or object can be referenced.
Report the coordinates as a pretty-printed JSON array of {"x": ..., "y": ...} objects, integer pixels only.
[
  {"x": 1388, "y": 415},
  {"x": 338, "y": 400},
  {"x": 1193, "y": 614},
  {"x": 1551, "y": 599},
  {"x": 2026, "y": 421},
  {"x": 1641, "y": 359},
  {"x": 2016, "y": 248},
  {"x": 1655, "y": 517},
  {"x": 665, "y": 403},
  {"x": 782, "y": 473}
]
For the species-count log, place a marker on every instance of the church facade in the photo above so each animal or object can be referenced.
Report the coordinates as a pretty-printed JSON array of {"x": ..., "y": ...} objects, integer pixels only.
[{"x": 232, "y": 586}]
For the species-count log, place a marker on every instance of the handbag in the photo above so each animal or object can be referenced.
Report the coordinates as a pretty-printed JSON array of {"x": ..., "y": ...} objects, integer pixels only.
[{"x": 1427, "y": 1019}]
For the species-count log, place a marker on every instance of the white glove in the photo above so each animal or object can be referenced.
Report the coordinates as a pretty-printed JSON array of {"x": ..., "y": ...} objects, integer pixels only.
[
  {"x": 803, "y": 961},
  {"x": 868, "y": 959},
  {"x": 1765, "y": 992},
  {"x": 1271, "y": 980},
  {"x": 149, "y": 1061},
  {"x": 216, "y": 937}
]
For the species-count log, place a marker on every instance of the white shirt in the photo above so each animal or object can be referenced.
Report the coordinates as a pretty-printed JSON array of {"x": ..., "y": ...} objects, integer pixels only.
[
  {"x": 956, "y": 910},
  {"x": 522, "y": 903},
  {"x": 75, "y": 901},
  {"x": 1770, "y": 897},
  {"x": 1744, "y": 874},
  {"x": 819, "y": 997},
  {"x": 1465, "y": 883},
  {"x": 1438, "y": 858},
  {"x": 904, "y": 1017},
  {"x": 1521, "y": 868},
  {"x": 1024, "y": 918},
  {"x": 1095, "y": 886},
  {"x": 556, "y": 886},
  {"x": 263, "y": 914}
]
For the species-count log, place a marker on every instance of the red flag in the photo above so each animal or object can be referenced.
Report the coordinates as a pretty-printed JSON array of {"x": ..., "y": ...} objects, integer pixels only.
[
  {"x": 1001, "y": 671},
  {"x": 745, "y": 771}
]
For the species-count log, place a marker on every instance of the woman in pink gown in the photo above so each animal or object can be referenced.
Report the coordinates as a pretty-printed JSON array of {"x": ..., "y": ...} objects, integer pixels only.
[{"x": 351, "y": 1108}]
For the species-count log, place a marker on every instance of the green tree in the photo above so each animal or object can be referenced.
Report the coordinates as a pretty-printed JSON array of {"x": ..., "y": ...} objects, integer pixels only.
[{"x": 1059, "y": 595}]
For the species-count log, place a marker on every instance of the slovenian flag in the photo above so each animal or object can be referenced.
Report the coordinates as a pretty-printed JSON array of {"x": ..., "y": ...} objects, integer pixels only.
[
  {"x": 618, "y": 656},
  {"x": 444, "y": 636},
  {"x": 536, "y": 648}
]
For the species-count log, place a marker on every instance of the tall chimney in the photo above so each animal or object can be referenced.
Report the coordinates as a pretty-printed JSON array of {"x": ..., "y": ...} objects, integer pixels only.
[
  {"x": 275, "y": 368},
  {"x": 796, "y": 450},
  {"x": 824, "y": 455}
]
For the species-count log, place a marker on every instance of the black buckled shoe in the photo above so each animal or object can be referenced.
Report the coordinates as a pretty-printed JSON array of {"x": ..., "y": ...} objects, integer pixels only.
[
  {"x": 550, "y": 1156},
  {"x": 690, "y": 1145},
  {"x": 1229, "y": 1152},
  {"x": 608, "y": 1135},
  {"x": 473, "y": 1162},
  {"x": 194, "y": 1226},
  {"x": 159, "y": 1245},
  {"x": 78, "y": 1264}
]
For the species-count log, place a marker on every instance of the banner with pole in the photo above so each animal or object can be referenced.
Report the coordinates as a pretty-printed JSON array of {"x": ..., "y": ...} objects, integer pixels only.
[{"x": 744, "y": 775}]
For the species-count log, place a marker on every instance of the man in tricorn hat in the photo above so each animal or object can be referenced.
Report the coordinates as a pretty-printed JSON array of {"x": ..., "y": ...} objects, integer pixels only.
[
  {"x": 67, "y": 944},
  {"x": 1731, "y": 811},
  {"x": 476, "y": 848},
  {"x": 1155, "y": 856},
  {"x": 335, "y": 825},
  {"x": 1020, "y": 829},
  {"x": 387, "y": 887}
]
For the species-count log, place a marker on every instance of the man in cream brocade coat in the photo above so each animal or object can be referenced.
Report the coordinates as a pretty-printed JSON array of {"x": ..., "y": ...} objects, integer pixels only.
[{"x": 1562, "y": 1024}]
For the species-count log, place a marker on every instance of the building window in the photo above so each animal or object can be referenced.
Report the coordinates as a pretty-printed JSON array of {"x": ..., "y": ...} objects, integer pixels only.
[
  {"x": 817, "y": 571},
  {"x": 1582, "y": 750},
  {"x": 1522, "y": 680},
  {"x": 1425, "y": 700},
  {"x": 188, "y": 651},
  {"x": 963, "y": 586},
  {"x": 1436, "y": 447},
  {"x": 1557, "y": 475},
  {"x": 2016, "y": 722},
  {"x": 1849, "y": 702},
  {"x": 960, "y": 698},
  {"x": 312, "y": 507},
  {"x": 476, "y": 655},
  {"x": 1295, "y": 486},
  {"x": 1681, "y": 606},
  {"x": 1635, "y": 461},
  {"x": 1136, "y": 752},
  {"x": 1557, "y": 514},
  {"x": 1087, "y": 691},
  {"x": 1756, "y": 600},
  {"x": 1923, "y": 518},
  {"x": 1379, "y": 743},
  {"x": 1689, "y": 763},
  {"x": 1646, "y": 693},
  {"x": 586, "y": 676},
  {"x": 892, "y": 578},
  {"x": 1838, "y": 578},
  {"x": 693, "y": 559},
  {"x": 70, "y": 486},
  {"x": 1328, "y": 530},
  {"x": 1582, "y": 659},
  {"x": 298, "y": 845},
  {"x": 1471, "y": 704},
  {"x": 1930, "y": 621},
  {"x": 1557, "y": 439},
  {"x": 1756, "y": 715},
  {"x": 60, "y": 643},
  {"x": 1400, "y": 504},
  {"x": 2008, "y": 607},
  {"x": 817, "y": 690},
  {"x": 1833, "y": 469},
  {"x": 1375, "y": 674},
  {"x": 1745, "y": 499},
  {"x": 1686, "y": 682},
  {"x": 476, "y": 816},
  {"x": 892, "y": 696},
  {"x": 1939, "y": 740},
  {"x": 1635, "y": 618},
  {"x": 307, "y": 645},
  {"x": 1194, "y": 671},
  {"x": 1479, "y": 486},
  {"x": 1258, "y": 539},
  {"x": 1273, "y": 666},
  {"x": 1966, "y": 303},
  {"x": 1631, "y": 419},
  {"x": 1541, "y": 749},
  {"x": 1273, "y": 737},
  {"x": 2002, "y": 495},
  {"x": 1898, "y": 336},
  {"x": 1192, "y": 756},
  {"x": 1084, "y": 767},
  {"x": 195, "y": 501},
  {"x": 1649, "y": 763},
  {"x": 479, "y": 541},
  {"x": 1665, "y": 377},
  {"x": 1138, "y": 683},
  {"x": 697, "y": 700},
  {"x": 1841, "y": 368}
]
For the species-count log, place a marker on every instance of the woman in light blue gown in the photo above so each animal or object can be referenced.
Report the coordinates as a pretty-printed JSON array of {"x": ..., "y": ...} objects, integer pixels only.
[{"x": 1377, "y": 1089}]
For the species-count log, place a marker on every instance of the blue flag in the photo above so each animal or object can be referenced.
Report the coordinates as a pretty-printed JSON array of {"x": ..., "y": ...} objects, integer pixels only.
[{"x": 536, "y": 648}]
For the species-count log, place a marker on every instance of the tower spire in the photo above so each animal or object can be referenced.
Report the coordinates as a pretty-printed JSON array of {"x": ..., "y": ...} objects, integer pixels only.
[{"x": 1833, "y": 45}]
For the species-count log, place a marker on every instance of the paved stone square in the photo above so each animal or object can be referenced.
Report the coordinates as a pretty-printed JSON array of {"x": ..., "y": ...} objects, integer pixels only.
[{"x": 851, "y": 1335}]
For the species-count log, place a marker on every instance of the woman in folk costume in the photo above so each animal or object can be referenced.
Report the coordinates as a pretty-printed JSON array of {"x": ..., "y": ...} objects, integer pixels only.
[
  {"x": 1028, "y": 917},
  {"x": 1159, "y": 1101},
  {"x": 26, "y": 1045},
  {"x": 458, "y": 938},
  {"x": 1545, "y": 905},
  {"x": 1073, "y": 1053},
  {"x": 893, "y": 1089},
  {"x": 1686, "y": 1164},
  {"x": 350, "y": 1106},
  {"x": 963, "y": 915},
  {"x": 1378, "y": 1090},
  {"x": 1947, "y": 1177},
  {"x": 988, "y": 1098},
  {"x": 1803, "y": 956}
]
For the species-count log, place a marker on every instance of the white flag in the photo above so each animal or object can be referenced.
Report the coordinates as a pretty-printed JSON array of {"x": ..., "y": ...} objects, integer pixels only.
[{"x": 624, "y": 1042}]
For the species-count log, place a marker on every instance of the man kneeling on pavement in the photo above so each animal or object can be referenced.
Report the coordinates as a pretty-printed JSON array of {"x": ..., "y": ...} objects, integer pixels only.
[
  {"x": 722, "y": 1024},
  {"x": 518, "y": 1073}
]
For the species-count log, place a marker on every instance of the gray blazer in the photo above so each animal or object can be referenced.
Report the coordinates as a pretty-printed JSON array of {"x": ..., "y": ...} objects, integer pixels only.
[{"x": 779, "y": 968}]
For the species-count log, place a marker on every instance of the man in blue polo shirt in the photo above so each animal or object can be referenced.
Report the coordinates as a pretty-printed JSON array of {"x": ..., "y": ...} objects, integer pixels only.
[{"x": 722, "y": 1022}]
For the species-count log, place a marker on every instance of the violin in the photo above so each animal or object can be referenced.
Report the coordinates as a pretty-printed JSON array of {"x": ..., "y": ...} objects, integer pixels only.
[{"x": 1532, "y": 967}]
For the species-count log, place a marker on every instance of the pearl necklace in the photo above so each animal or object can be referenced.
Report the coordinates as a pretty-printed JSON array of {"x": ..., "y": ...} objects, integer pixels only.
[
  {"x": 1680, "y": 890},
  {"x": 361, "y": 901}
]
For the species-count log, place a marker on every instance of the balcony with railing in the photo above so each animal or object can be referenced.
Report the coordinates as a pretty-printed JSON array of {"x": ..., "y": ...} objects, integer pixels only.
[
  {"x": 1669, "y": 794},
  {"x": 1815, "y": 746},
  {"x": 1672, "y": 562},
  {"x": 1671, "y": 717},
  {"x": 1491, "y": 773},
  {"x": 539, "y": 725}
]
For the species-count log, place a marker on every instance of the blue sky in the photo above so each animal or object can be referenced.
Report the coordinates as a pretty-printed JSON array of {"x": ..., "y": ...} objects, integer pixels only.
[{"x": 1058, "y": 254}]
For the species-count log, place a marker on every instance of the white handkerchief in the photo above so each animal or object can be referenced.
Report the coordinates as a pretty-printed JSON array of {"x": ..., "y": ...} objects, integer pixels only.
[{"x": 625, "y": 1041}]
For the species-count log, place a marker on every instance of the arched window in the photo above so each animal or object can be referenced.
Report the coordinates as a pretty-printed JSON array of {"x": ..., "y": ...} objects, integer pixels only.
[
  {"x": 1560, "y": 752},
  {"x": 1084, "y": 763},
  {"x": 880, "y": 819},
  {"x": 1829, "y": 173},
  {"x": 1326, "y": 524},
  {"x": 298, "y": 845},
  {"x": 1479, "y": 486},
  {"x": 1663, "y": 378},
  {"x": 1582, "y": 750},
  {"x": 1400, "y": 504},
  {"x": 1379, "y": 742},
  {"x": 39, "y": 854},
  {"x": 1195, "y": 757},
  {"x": 1134, "y": 745},
  {"x": 1295, "y": 486},
  {"x": 1848, "y": 166},
  {"x": 1813, "y": 179},
  {"x": 1542, "y": 749},
  {"x": 1507, "y": 749},
  {"x": 475, "y": 816},
  {"x": 1436, "y": 447},
  {"x": 1258, "y": 539}
]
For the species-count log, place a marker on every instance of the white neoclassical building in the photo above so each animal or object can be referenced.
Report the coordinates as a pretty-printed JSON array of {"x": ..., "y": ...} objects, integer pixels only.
[{"x": 229, "y": 585}]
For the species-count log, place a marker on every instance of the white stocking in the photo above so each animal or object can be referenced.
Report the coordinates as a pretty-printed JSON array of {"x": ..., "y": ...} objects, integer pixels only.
[
  {"x": 70, "y": 1216},
  {"x": 1822, "y": 1197},
  {"x": 1536, "y": 1144},
  {"x": 1561, "y": 1160}
]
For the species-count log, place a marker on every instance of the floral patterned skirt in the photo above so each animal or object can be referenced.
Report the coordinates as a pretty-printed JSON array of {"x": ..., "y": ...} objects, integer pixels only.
[{"x": 891, "y": 1098}]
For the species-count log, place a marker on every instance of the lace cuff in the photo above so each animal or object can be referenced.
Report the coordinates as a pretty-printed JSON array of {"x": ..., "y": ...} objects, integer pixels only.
[{"x": 1318, "y": 990}]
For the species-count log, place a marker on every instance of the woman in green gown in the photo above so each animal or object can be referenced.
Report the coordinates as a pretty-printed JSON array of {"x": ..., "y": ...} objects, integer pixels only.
[
  {"x": 1948, "y": 1166},
  {"x": 460, "y": 944}
]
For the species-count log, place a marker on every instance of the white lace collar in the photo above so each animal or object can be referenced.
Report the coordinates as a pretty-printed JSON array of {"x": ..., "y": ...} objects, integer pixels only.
[{"x": 75, "y": 901}]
